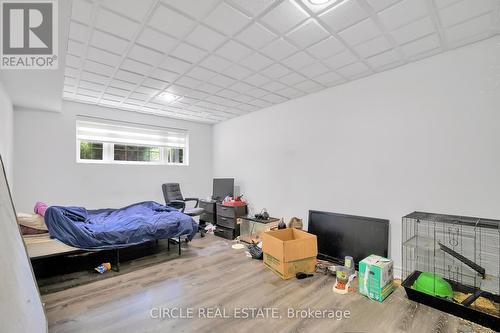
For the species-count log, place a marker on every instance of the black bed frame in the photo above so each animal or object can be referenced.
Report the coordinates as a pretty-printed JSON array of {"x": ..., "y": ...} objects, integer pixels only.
[
  {"x": 116, "y": 265},
  {"x": 169, "y": 240}
]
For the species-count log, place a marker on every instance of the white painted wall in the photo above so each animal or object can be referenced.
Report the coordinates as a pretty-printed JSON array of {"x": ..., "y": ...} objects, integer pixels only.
[
  {"x": 6, "y": 132},
  {"x": 425, "y": 136},
  {"x": 46, "y": 167}
]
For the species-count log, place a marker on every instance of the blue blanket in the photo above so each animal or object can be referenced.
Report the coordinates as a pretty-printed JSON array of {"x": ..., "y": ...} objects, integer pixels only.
[{"x": 117, "y": 228}]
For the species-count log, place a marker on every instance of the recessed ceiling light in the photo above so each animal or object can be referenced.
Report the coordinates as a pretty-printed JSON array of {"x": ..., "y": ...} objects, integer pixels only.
[
  {"x": 167, "y": 97},
  {"x": 318, "y": 2}
]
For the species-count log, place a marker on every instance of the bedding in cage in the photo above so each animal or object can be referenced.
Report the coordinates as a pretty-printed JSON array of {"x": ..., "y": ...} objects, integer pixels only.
[{"x": 452, "y": 263}]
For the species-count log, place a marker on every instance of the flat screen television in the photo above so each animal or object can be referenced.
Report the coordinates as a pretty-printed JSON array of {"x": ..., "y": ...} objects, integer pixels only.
[
  {"x": 342, "y": 235},
  {"x": 223, "y": 187}
]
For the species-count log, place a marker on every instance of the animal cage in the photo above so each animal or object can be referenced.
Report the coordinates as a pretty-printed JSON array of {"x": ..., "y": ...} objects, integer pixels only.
[{"x": 452, "y": 263}]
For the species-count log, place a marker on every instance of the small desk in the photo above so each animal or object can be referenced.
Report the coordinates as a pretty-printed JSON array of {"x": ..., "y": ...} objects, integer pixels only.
[{"x": 251, "y": 228}]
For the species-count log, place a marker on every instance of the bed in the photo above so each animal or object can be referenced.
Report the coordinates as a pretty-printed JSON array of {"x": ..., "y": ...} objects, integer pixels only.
[{"x": 76, "y": 229}]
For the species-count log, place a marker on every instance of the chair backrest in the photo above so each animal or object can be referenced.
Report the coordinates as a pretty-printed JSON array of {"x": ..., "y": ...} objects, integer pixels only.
[{"x": 172, "y": 191}]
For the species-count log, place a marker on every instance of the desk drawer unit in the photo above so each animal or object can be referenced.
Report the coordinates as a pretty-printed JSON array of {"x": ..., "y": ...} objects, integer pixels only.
[
  {"x": 228, "y": 222},
  {"x": 231, "y": 211}
]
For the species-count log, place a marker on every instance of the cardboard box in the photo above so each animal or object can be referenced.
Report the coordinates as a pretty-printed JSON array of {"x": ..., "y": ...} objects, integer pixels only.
[
  {"x": 376, "y": 277},
  {"x": 289, "y": 251}
]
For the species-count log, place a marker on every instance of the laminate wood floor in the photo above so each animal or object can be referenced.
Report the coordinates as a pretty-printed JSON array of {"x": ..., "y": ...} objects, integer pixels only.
[{"x": 210, "y": 275}]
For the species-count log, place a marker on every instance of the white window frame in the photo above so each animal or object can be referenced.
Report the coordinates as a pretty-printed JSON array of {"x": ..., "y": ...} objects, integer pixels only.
[{"x": 108, "y": 154}]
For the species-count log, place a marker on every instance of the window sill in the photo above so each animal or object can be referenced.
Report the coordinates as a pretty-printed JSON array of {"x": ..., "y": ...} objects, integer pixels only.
[{"x": 130, "y": 163}]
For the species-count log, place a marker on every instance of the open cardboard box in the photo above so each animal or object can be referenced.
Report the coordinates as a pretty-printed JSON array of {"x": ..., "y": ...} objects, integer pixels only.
[{"x": 289, "y": 251}]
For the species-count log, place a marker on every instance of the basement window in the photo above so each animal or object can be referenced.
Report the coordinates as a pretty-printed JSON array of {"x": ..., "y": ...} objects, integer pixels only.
[{"x": 105, "y": 141}]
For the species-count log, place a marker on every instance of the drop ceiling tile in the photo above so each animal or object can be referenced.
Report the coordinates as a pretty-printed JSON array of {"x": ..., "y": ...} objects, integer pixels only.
[
  {"x": 372, "y": 47},
  {"x": 222, "y": 80},
  {"x": 260, "y": 103},
  {"x": 188, "y": 53},
  {"x": 463, "y": 10},
  {"x": 111, "y": 99},
  {"x": 81, "y": 11},
  {"x": 227, "y": 19},
  {"x": 378, "y": 5},
  {"x": 136, "y": 66},
  {"x": 402, "y": 13},
  {"x": 273, "y": 86},
  {"x": 128, "y": 76},
  {"x": 78, "y": 32},
  {"x": 116, "y": 24},
  {"x": 156, "y": 40},
  {"x": 71, "y": 72},
  {"x": 75, "y": 48},
  {"x": 292, "y": 78},
  {"x": 279, "y": 49},
  {"x": 215, "y": 63},
  {"x": 309, "y": 86},
  {"x": 91, "y": 85},
  {"x": 314, "y": 70},
  {"x": 164, "y": 75},
  {"x": 256, "y": 92},
  {"x": 476, "y": 26},
  {"x": 145, "y": 55},
  {"x": 360, "y": 32},
  {"x": 256, "y": 61},
  {"x": 354, "y": 70},
  {"x": 197, "y": 94},
  {"x": 290, "y": 92},
  {"x": 93, "y": 77},
  {"x": 228, "y": 93},
  {"x": 194, "y": 8},
  {"x": 201, "y": 73},
  {"x": 285, "y": 16},
  {"x": 326, "y": 48},
  {"x": 233, "y": 51},
  {"x": 341, "y": 59},
  {"x": 257, "y": 80},
  {"x": 117, "y": 91},
  {"x": 154, "y": 83},
  {"x": 444, "y": 3},
  {"x": 421, "y": 45},
  {"x": 243, "y": 98},
  {"x": 256, "y": 36},
  {"x": 170, "y": 22},
  {"x": 344, "y": 15},
  {"x": 73, "y": 61},
  {"x": 274, "y": 98},
  {"x": 69, "y": 81},
  {"x": 188, "y": 82},
  {"x": 329, "y": 79},
  {"x": 205, "y": 38},
  {"x": 95, "y": 67},
  {"x": 103, "y": 57},
  {"x": 208, "y": 88},
  {"x": 307, "y": 34},
  {"x": 134, "y": 9},
  {"x": 298, "y": 60},
  {"x": 147, "y": 91},
  {"x": 237, "y": 72},
  {"x": 175, "y": 65},
  {"x": 383, "y": 59},
  {"x": 109, "y": 42},
  {"x": 252, "y": 8},
  {"x": 413, "y": 30},
  {"x": 276, "y": 71}
]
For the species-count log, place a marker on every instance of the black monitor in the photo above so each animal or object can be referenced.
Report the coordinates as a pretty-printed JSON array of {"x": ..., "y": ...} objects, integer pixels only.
[
  {"x": 342, "y": 235},
  {"x": 223, "y": 187}
]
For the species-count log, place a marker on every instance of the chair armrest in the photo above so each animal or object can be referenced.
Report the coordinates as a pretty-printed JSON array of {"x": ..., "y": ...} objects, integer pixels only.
[
  {"x": 177, "y": 204},
  {"x": 193, "y": 199}
]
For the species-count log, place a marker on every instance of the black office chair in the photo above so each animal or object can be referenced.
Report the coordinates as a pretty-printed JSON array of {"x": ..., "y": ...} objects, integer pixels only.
[{"x": 173, "y": 198}]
